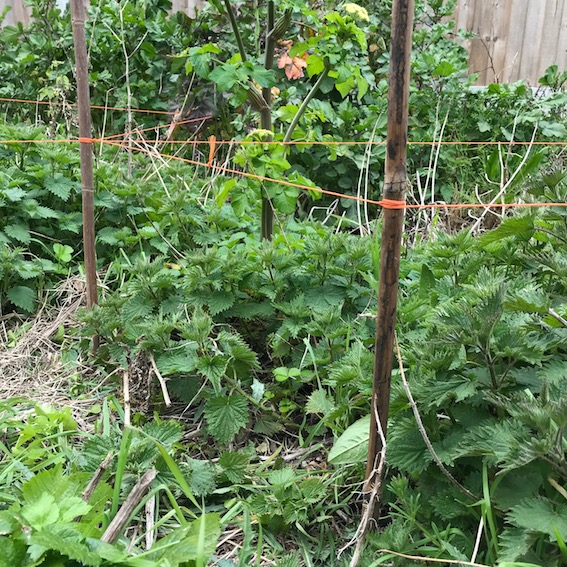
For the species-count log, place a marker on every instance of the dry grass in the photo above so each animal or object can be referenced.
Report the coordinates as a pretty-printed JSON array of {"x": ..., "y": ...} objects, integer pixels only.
[{"x": 31, "y": 365}]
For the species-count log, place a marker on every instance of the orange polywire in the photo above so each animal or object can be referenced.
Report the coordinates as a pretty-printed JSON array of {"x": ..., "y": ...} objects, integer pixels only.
[
  {"x": 98, "y": 107},
  {"x": 291, "y": 143},
  {"x": 384, "y": 203},
  {"x": 99, "y": 140},
  {"x": 369, "y": 143}
]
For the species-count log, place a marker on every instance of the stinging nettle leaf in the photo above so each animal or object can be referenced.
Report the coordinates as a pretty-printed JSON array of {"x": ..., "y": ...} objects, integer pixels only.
[
  {"x": 22, "y": 296},
  {"x": 226, "y": 416}
]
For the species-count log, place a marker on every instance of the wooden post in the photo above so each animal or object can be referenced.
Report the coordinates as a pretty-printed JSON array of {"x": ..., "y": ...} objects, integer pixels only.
[
  {"x": 267, "y": 223},
  {"x": 78, "y": 16},
  {"x": 395, "y": 184}
]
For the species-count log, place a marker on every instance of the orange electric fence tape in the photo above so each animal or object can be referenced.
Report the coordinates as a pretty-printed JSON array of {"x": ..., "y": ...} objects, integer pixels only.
[
  {"x": 384, "y": 203},
  {"x": 369, "y": 143},
  {"x": 102, "y": 140},
  {"x": 213, "y": 143}
]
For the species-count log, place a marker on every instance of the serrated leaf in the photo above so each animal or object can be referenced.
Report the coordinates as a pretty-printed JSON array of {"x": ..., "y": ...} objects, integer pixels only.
[
  {"x": 521, "y": 227},
  {"x": 177, "y": 362},
  {"x": 282, "y": 476},
  {"x": 226, "y": 416},
  {"x": 540, "y": 515},
  {"x": 44, "y": 213},
  {"x": 320, "y": 402},
  {"x": 69, "y": 544},
  {"x": 28, "y": 270},
  {"x": 14, "y": 194},
  {"x": 406, "y": 448},
  {"x": 212, "y": 367},
  {"x": 514, "y": 543},
  {"x": 198, "y": 544},
  {"x": 352, "y": 446},
  {"x": 136, "y": 307},
  {"x": 219, "y": 301},
  {"x": 43, "y": 512},
  {"x": 203, "y": 477},
  {"x": 234, "y": 465},
  {"x": 19, "y": 232},
  {"x": 59, "y": 185},
  {"x": 23, "y": 297}
]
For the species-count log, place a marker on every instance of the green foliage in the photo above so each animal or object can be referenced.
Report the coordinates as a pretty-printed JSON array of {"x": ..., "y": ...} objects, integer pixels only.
[
  {"x": 36, "y": 62},
  {"x": 265, "y": 342},
  {"x": 45, "y": 516}
]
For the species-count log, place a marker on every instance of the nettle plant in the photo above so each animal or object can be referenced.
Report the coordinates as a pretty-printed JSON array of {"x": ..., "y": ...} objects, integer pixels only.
[
  {"x": 482, "y": 328},
  {"x": 50, "y": 512},
  {"x": 246, "y": 328},
  {"x": 39, "y": 213}
]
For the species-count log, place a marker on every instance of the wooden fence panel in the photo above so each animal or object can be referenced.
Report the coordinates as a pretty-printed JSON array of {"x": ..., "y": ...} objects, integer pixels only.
[
  {"x": 18, "y": 13},
  {"x": 515, "y": 39}
]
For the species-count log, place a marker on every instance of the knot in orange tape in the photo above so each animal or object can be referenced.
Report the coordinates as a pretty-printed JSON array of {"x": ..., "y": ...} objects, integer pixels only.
[
  {"x": 86, "y": 140},
  {"x": 392, "y": 204}
]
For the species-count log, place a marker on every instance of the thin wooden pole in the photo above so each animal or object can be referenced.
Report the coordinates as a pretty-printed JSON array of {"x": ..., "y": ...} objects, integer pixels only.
[
  {"x": 78, "y": 17},
  {"x": 395, "y": 185},
  {"x": 267, "y": 223}
]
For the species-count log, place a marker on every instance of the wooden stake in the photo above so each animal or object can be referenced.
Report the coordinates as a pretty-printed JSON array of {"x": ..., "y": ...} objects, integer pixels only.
[
  {"x": 78, "y": 17},
  {"x": 395, "y": 185},
  {"x": 267, "y": 223}
]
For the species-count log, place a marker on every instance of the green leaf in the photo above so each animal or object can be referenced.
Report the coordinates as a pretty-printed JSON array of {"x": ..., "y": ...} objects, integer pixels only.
[
  {"x": 63, "y": 253},
  {"x": 219, "y": 301},
  {"x": 198, "y": 544},
  {"x": 227, "y": 76},
  {"x": 203, "y": 477},
  {"x": 540, "y": 515},
  {"x": 67, "y": 542},
  {"x": 213, "y": 367},
  {"x": 315, "y": 64},
  {"x": 553, "y": 129},
  {"x": 43, "y": 512},
  {"x": 13, "y": 552},
  {"x": 44, "y": 213},
  {"x": 59, "y": 185},
  {"x": 352, "y": 446},
  {"x": 19, "y": 232},
  {"x": 234, "y": 465},
  {"x": 258, "y": 390},
  {"x": 522, "y": 227},
  {"x": 14, "y": 194},
  {"x": 137, "y": 306},
  {"x": 320, "y": 402},
  {"x": 226, "y": 416},
  {"x": 266, "y": 78},
  {"x": 175, "y": 362},
  {"x": 23, "y": 297},
  {"x": 406, "y": 448},
  {"x": 282, "y": 476},
  {"x": 444, "y": 69},
  {"x": 346, "y": 86}
]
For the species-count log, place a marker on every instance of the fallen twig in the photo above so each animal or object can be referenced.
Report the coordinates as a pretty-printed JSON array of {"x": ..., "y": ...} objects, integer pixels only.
[{"x": 123, "y": 515}]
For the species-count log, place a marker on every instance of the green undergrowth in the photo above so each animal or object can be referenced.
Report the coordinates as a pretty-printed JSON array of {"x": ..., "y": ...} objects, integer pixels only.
[{"x": 266, "y": 347}]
